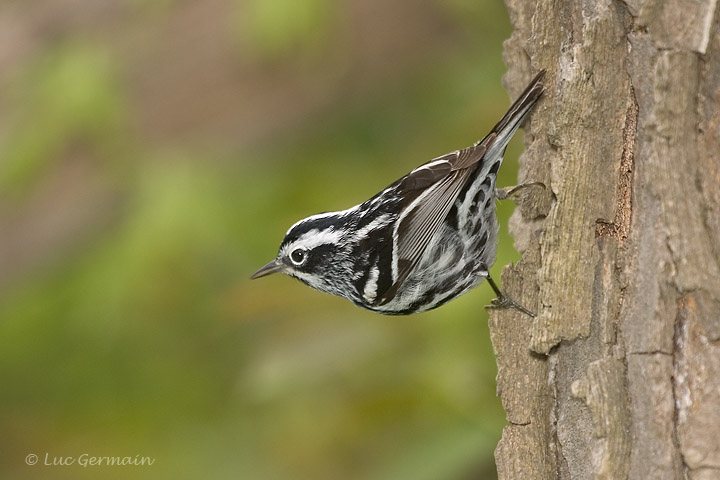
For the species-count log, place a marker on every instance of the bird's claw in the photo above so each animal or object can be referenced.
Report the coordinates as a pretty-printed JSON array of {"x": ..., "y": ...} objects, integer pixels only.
[
  {"x": 506, "y": 302},
  {"x": 507, "y": 192}
]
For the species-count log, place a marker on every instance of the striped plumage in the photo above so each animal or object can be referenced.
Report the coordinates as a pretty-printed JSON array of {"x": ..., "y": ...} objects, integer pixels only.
[{"x": 424, "y": 240}]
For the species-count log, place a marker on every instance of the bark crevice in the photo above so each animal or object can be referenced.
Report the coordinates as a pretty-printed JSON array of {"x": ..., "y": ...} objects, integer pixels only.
[{"x": 620, "y": 226}]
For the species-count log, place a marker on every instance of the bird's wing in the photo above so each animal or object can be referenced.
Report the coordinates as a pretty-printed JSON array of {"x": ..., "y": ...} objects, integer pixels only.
[{"x": 429, "y": 192}]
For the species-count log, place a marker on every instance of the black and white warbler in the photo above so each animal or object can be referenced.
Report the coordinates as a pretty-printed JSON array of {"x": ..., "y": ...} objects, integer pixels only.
[{"x": 424, "y": 240}]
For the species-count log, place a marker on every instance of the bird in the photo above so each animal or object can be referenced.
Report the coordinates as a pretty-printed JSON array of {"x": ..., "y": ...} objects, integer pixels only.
[{"x": 426, "y": 239}]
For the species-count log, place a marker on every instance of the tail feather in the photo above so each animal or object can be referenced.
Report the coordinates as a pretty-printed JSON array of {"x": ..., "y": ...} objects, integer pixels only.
[
  {"x": 502, "y": 132},
  {"x": 519, "y": 110}
]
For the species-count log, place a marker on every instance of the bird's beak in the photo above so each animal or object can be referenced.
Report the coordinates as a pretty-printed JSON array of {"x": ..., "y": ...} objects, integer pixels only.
[{"x": 273, "y": 267}]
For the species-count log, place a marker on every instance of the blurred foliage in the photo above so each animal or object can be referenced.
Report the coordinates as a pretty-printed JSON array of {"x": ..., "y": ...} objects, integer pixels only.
[
  {"x": 143, "y": 336},
  {"x": 277, "y": 28},
  {"x": 68, "y": 94}
]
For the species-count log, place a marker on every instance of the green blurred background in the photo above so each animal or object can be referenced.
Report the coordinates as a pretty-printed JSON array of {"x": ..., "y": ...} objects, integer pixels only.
[{"x": 152, "y": 155}]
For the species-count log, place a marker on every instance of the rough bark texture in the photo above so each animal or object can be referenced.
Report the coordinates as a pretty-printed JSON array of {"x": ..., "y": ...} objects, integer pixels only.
[{"x": 619, "y": 374}]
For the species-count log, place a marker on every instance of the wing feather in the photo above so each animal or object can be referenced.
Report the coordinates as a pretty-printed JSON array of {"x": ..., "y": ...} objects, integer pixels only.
[
  {"x": 430, "y": 190},
  {"x": 417, "y": 225},
  {"x": 468, "y": 157}
]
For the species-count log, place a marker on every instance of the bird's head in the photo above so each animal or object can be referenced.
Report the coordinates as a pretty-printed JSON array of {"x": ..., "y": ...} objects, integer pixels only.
[{"x": 316, "y": 251}]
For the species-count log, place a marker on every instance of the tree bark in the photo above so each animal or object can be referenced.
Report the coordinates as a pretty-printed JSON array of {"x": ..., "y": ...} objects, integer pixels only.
[{"x": 618, "y": 376}]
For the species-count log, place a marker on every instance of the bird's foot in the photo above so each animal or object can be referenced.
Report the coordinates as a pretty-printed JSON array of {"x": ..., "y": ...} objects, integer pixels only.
[
  {"x": 507, "y": 192},
  {"x": 503, "y": 301},
  {"x": 506, "y": 302}
]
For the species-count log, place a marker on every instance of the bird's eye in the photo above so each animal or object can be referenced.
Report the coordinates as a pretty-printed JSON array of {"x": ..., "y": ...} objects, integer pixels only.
[{"x": 298, "y": 256}]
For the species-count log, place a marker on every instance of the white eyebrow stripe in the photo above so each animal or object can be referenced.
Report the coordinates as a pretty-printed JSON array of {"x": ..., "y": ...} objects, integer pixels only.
[{"x": 315, "y": 238}]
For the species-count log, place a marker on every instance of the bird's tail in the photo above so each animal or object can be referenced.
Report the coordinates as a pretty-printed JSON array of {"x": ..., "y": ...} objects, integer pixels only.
[{"x": 503, "y": 131}]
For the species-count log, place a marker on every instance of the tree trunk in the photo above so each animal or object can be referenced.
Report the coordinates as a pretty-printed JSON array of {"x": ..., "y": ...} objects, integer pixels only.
[{"x": 618, "y": 376}]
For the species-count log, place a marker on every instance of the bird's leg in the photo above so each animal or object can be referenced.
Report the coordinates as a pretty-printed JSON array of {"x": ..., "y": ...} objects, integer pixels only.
[
  {"x": 507, "y": 192},
  {"x": 503, "y": 301}
]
